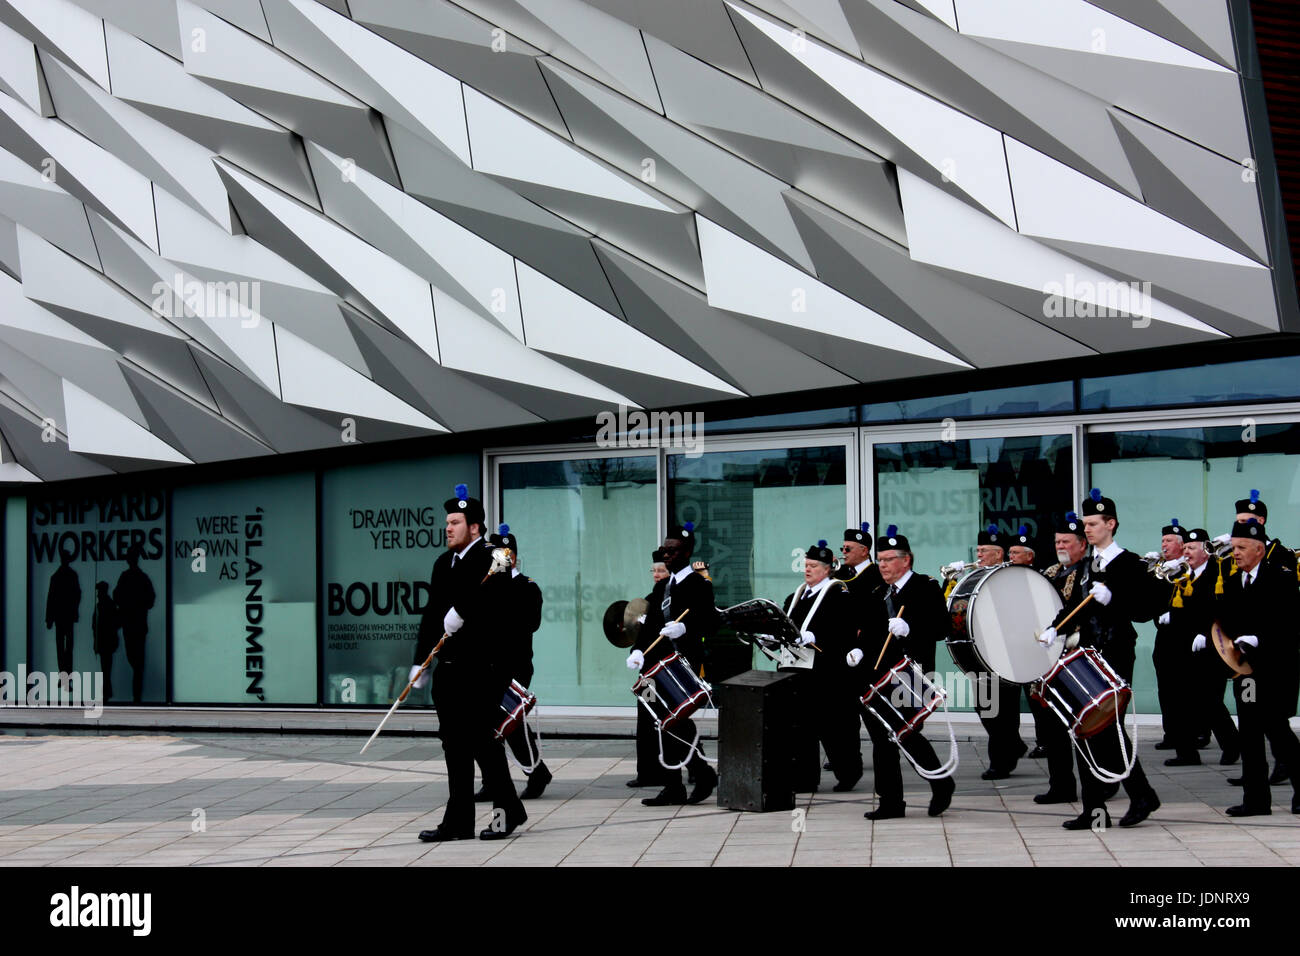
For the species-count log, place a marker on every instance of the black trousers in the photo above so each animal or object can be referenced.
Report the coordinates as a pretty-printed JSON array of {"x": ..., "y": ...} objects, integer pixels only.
[
  {"x": 1260, "y": 720},
  {"x": 466, "y": 702},
  {"x": 1001, "y": 719},
  {"x": 885, "y": 760},
  {"x": 134, "y": 640},
  {"x": 836, "y": 714},
  {"x": 1178, "y": 691},
  {"x": 1209, "y": 714},
  {"x": 1105, "y": 749},
  {"x": 1043, "y": 720},
  {"x": 648, "y": 769},
  {"x": 1055, "y": 738}
]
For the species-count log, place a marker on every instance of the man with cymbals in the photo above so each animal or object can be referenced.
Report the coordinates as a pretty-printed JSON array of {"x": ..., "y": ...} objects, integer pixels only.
[
  {"x": 1258, "y": 611},
  {"x": 917, "y": 619},
  {"x": 827, "y": 617},
  {"x": 520, "y": 615},
  {"x": 1118, "y": 593},
  {"x": 680, "y": 617},
  {"x": 1192, "y": 607},
  {"x": 467, "y": 688}
]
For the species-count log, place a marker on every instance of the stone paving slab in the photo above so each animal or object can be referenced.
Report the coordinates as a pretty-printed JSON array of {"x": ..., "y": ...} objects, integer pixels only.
[{"x": 241, "y": 799}]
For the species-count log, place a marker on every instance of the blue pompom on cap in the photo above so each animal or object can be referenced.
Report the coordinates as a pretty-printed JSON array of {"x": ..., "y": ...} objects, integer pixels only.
[
  {"x": 1024, "y": 530},
  {"x": 1071, "y": 516},
  {"x": 992, "y": 529},
  {"x": 891, "y": 531},
  {"x": 1095, "y": 494},
  {"x": 687, "y": 528},
  {"x": 1173, "y": 522},
  {"x": 503, "y": 529},
  {"x": 821, "y": 542},
  {"x": 866, "y": 526},
  {"x": 1254, "y": 495},
  {"x": 462, "y": 491}
]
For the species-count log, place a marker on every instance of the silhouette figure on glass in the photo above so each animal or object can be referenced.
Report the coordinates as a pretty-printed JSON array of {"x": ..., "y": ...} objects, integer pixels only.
[
  {"x": 63, "y": 609},
  {"x": 134, "y": 597},
  {"x": 103, "y": 627}
]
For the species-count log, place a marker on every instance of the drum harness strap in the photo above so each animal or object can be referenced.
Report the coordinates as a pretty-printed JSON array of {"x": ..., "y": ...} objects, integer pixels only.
[
  {"x": 535, "y": 752},
  {"x": 949, "y": 766},
  {"x": 1101, "y": 773}
]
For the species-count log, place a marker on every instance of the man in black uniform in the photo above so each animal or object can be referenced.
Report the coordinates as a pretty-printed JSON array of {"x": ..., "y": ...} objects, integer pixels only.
[
  {"x": 1067, "y": 577},
  {"x": 916, "y": 619},
  {"x": 467, "y": 688},
  {"x": 827, "y": 615},
  {"x": 1258, "y": 610},
  {"x": 1173, "y": 661},
  {"x": 858, "y": 571},
  {"x": 997, "y": 701},
  {"x": 1192, "y": 607},
  {"x": 685, "y": 590},
  {"x": 649, "y": 772},
  {"x": 521, "y": 615},
  {"x": 1121, "y": 593}
]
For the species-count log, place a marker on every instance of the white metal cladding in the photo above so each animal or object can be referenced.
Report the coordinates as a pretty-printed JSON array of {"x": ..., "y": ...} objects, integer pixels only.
[{"x": 226, "y": 225}]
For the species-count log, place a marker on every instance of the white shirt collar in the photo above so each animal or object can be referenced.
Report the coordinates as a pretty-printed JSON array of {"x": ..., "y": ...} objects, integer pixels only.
[
  {"x": 903, "y": 580},
  {"x": 681, "y": 575},
  {"x": 1252, "y": 573},
  {"x": 859, "y": 568},
  {"x": 461, "y": 553},
  {"x": 815, "y": 588},
  {"x": 1196, "y": 572},
  {"x": 514, "y": 572},
  {"x": 1109, "y": 553}
]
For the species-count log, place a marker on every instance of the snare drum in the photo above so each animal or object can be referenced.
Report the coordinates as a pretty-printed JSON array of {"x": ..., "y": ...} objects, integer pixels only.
[
  {"x": 903, "y": 698},
  {"x": 671, "y": 691},
  {"x": 994, "y": 612},
  {"x": 516, "y": 703},
  {"x": 1084, "y": 692}
]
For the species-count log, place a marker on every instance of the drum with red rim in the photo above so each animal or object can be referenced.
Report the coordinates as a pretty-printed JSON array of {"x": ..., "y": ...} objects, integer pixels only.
[
  {"x": 516, "y": 703},
  {"x": 903, "y": 698},
  {"x": 1084, "y": 692},
  {"x": 671, "y": 691}
]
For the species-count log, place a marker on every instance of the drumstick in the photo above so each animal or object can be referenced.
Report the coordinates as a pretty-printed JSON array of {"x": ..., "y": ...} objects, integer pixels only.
[
  {"x": 886, "y": 644},
  {"x": 661, "y": 637},
  {"x": 1072, "y": 613}
]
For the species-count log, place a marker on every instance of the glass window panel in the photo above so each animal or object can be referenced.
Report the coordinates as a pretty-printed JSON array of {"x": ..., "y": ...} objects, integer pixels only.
[
  {"x": 1195, "y": 475},
  {"x": 940, "y": 494},
  {"x": 244, "y": 622},
  {"x": 783, "y": 421},
  {"x": 1267, "y": 379},
  {"x": 1005, "y": 402},
  {"x": 756, "y": 512},
  {"x": 586, "y": 527},
  {"x": 97, "y": 531},
  {"x": 382, "y": 527},
  {"x": 15, "y": 583}
]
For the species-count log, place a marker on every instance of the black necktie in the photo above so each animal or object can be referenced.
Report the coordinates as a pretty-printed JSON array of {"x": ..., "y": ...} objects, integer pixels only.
[
  {"x": 454, "y": 559},
  {"x": 667, "y": 604},
  {"x": 1245, "y": 582},
  {"x": 889, "y": 599}
]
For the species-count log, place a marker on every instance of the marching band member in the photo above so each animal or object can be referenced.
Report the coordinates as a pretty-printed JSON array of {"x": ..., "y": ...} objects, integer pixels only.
[
  {"x": 522, "y": 604},
  {"x": 827, "y": 615},
  {"x": 1205, "y": 705},
  {"x": 917, "y": 620},
  {"x": 648, "y": 769},
  {"x": 1258, "y": 609},
  {"x": 1022, "y": 548},
  {"x": 466, "y": 688},
  {"x": 1120, "y": 592},
  {"x": 1172, "y": 662},
  {"x": 1001, "y": 714},
  {"x": 859, "y": 572},
  {"x": 1021, "y": 552},
  {"x": 658, "y": 570},
  {"x": 684, "y": 590},
  {"x": 1067, "y": 577}
]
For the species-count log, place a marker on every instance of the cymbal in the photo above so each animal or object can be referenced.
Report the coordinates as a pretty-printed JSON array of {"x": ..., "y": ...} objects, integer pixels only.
[
  {"x": 621, "y": 622},
  {"x": 1228, "y": 651}
]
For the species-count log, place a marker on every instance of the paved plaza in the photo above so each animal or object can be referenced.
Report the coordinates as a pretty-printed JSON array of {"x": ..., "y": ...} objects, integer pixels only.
[{"x": 256, "y": 799}]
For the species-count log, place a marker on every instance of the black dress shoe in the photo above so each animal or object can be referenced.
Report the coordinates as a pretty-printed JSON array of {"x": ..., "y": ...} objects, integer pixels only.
[
  {"x": 1202, "y": 741},
  {"x": 493, "y": 834},
  {"x": 1295, "y": 804},
  {"x": 1280, "y": 775},
  {"x": 1038, "y": 753},
  {"x": 439, "y": 835},
  {"x": 887, "y": 812},
  {"x": 1165, "y": 744},
  {"x": 1084, "y": 821},
  {"x": 844, "y": 786},
  {"x": 667, "y": 797},
  {"x": 1230, "y": 756},
  {"x": 1236, "y": 781},
  {"x": 941, "y": 795},
  {"x": 705, "y": 780},
  {"x": 1139, "y": 810},
  {"x": 537, "y": 781},
  {"x": 1243, "y": 810},
  {"x": 1192, "y": 761},
  {"x": 995, "y": 773},
  {"x": 1053, "y": 796},
  {"x": 482, "y": 796}
]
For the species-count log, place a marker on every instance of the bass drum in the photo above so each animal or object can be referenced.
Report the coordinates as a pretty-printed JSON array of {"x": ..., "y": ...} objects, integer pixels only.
[{"x": 995, "y": 612}]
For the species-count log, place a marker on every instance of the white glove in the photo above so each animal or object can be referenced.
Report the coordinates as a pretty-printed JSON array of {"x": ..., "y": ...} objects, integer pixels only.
[
  {"x": 806, "y": 638},
  {"x": 1048, "y": 637},
  {"x": 1163, "y": 619},
  {"x": 673, "y": 630},
  {"x": 1223, "y": 538},
  {"x": 1250, "y": 640},
  {"x": 635, "y": 661},
  {"x": 1199, "y": 643},
  {"x": 1101, "y": 594},
  {"x": 418, "y": 682},
  {"x": 452, "y": 622},
  {"x": 641, "y": 619},
  {"x": 854, "y": 657},
  {"x": 898, "y": 627},
  {"x": 1171, "y": 564}
]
